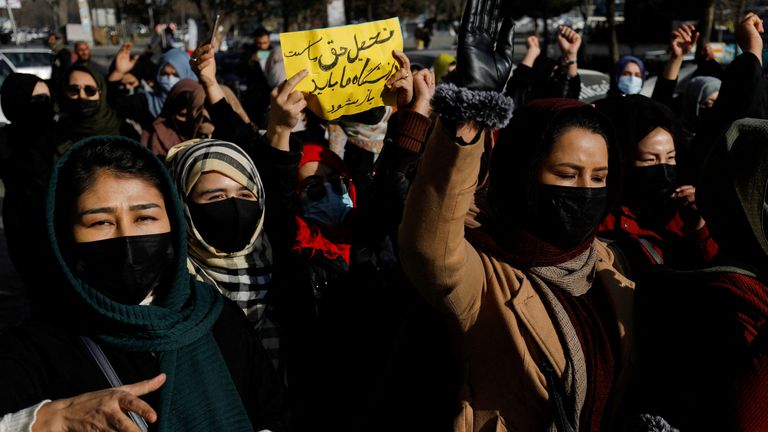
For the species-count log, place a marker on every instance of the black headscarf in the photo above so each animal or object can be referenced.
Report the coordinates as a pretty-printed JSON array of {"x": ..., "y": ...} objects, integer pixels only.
[
  {"x": 104, "y": 122},
  {"x": 16, "y": 98},
  {"x": 634, "y": 117},
  {"x": 732, "y": 194}
]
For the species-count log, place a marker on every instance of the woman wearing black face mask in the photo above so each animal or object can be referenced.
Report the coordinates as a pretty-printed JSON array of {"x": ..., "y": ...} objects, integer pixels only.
[
  {"x": 543, "y": 319},
  {"x": 183, "y": 118},
  {"x": 224, "y": 208},
  {"x": 126, "y": 310},
  {"x": 25, "y": 167},
  {"x": 657, "y": 221},
  {"x": 84, "y": 109}
]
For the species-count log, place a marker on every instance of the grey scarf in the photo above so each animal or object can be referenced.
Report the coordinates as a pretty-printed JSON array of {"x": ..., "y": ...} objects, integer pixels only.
[{"x": 574, "y": 278}]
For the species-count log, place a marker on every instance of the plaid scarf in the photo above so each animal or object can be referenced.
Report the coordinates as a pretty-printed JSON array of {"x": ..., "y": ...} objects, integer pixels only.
[{"x": 242, "y": 276}]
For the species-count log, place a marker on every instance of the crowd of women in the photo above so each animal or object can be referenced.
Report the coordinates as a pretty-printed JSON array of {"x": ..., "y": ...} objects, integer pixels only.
[{"x": 494, "y": 255}]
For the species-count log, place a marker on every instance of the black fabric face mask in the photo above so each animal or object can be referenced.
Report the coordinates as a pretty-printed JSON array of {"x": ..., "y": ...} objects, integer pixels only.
[
  {"x": 82, "y": 108},
  {"x": 649, "y": 193},
  {"x": 40, "y": 108},
  {"x": 566, "y": 216},
  {"x": 228, "y": 225},
  {"x": 126, "y": 269}
]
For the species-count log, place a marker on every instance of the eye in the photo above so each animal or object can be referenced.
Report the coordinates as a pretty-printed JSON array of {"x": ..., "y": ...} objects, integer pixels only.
[
  {"x": 598, "y": 179},
  {"x": 563, "y": 175},
  {"x": 145, "y": 218},
  {"x": 217, "y": 197},
  {"x": 247, "y": 195},
  {"x": 99, "y": 223}
]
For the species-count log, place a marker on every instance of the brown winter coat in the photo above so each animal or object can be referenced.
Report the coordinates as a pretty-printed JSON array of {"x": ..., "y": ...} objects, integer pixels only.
[{"x": 502, "y": 326}]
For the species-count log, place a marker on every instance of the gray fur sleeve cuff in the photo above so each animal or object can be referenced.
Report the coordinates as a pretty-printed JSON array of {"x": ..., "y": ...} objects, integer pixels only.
[{"x": 489, "y": 108}]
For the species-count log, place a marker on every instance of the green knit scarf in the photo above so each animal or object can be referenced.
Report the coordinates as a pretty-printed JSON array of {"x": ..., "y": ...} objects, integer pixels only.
[{"x": 199, "y": 394}]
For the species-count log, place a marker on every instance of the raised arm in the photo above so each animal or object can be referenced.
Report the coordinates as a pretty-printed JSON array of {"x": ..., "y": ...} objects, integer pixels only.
[
  {"x": 434, "y": 254},
  {"x": 681, "y": 41},
  {"x": 569, "y": 42}
]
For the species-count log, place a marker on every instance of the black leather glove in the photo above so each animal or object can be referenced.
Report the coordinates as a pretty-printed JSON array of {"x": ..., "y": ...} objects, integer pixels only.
[{"x": 484, "y": 55}]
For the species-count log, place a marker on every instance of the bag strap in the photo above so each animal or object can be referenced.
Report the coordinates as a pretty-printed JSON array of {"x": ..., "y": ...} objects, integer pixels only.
[
  {"x": 651, "y": 251},
  {"x": 556, "y": 398},
  {"x": 109, "y": 372}
]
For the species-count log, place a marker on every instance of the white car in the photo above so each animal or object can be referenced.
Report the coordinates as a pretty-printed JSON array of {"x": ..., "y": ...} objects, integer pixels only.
[{"x": 35, "y": 61}]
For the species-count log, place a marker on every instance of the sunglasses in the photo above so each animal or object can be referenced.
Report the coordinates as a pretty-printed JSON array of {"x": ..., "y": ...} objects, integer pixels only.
[
  {"x": 314, "y": 186},
  {"x": 74, "y": 90}
]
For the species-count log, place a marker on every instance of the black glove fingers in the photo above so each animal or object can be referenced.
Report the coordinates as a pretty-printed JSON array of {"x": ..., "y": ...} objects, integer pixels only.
[
  {"x": 505, "y": 44},
  {"x": 490, "y": 20},
  {"x": 471, "y": 17}
]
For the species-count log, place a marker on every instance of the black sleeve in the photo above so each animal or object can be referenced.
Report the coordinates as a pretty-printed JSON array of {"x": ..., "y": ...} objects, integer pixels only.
[
  {"x": 664, "y": 91},
  {"x": 743, "y": 94},
  {"x": 563, "y": 86},
  {"x": 257, "y": 382},
  {"x": 520, "y": 85},
  {"x": 407, "y": 134},
  {"x": 229, "y": 126},
  {"x": 283, "y": 206},
  {"x": 743, "y": 91}
]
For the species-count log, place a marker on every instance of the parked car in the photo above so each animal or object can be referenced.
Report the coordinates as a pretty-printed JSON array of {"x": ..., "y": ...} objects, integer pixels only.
[{"x": 35, "y": 61}]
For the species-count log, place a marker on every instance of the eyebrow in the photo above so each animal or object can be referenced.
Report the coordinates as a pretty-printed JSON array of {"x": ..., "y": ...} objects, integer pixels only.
[
  {"x": 112, "y": 210},
  {"x": 579, "y": 167},
  {"x": 210, "y": 191}
]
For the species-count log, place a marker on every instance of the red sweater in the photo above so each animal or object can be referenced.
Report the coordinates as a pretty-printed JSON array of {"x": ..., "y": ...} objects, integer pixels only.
[
  {"x": 746, "y": 312},
  {"x": 677, "y": 247}
]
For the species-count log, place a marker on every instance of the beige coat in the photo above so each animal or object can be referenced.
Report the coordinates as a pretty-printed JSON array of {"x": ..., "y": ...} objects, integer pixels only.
[{"x": 503, "y": 328}]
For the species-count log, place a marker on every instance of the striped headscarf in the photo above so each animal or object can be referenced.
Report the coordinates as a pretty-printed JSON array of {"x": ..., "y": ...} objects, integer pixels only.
[{"x": 242, "y": 276}]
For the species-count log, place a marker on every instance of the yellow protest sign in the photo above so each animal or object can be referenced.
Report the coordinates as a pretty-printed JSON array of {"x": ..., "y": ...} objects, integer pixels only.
[{"x": 348, "y": 66}]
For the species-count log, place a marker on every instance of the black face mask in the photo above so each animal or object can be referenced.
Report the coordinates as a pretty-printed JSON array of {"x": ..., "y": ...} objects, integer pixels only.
[
  {"x": 649, "y": 193},
  {"x": 82, "y": 108},
  {"x": 228, "y": 225},
  {"x": 40, "y": 108},
  {"x": 566, "y": 216},
  {"x": 126, "y": 269}
]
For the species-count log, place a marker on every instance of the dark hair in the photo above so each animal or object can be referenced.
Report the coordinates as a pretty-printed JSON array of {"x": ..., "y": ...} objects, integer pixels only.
[
  {"x": 260, "y": 32},
  {"x": 115, "y": 157},
  {"x": 580, "y": 119}
]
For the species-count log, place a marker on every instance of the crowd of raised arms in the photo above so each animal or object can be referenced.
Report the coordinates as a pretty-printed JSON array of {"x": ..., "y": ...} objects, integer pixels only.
[{"x": 490, "y": 254}]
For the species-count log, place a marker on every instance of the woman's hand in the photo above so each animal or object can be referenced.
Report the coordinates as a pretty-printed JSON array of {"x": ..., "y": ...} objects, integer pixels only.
[
  {"x": 689, "y": 213},
  {"x": 124, "y": 62},
  {"x": 683, "y": 40},
  {"x": 532, "y": 51},
  {"x": 569, "y": 42},
  {"x": 748, "y": 35},
  {"x": 99, "y": 410},
  {"x": 286, "y": 108},
  {"x": 203, "y": 63},
  {"x": 402, "y": 80},
  {"x": 424, "y": 89}
]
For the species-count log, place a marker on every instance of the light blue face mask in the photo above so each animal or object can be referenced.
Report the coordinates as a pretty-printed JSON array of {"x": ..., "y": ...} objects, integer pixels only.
[
  {"x": 330, "y": 210},
  {"x": 166, "y": 82},
  {"x": 630, "y": 84}
]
